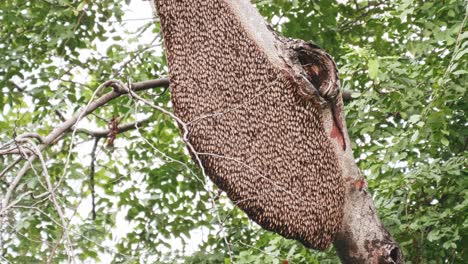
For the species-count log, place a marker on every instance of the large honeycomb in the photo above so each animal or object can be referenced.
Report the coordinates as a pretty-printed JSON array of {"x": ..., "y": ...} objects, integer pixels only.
[{"x": 257, "y": 140}]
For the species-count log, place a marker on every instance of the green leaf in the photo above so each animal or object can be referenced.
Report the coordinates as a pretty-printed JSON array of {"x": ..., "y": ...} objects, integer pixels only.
[
  {"x": 373, "y": 67},
  {"x": 444, "y": 141},
  {"x": 414, "y": 119}
]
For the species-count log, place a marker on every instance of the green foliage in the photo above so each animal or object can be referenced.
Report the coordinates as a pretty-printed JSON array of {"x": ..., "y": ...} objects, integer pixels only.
[{"x": 405, "y": 61}]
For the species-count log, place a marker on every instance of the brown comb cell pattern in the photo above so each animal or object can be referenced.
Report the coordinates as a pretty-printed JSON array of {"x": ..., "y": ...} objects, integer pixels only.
[{"x": 257, "y": 141}]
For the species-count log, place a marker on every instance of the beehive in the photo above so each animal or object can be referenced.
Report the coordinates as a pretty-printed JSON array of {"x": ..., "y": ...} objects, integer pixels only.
[{"x": 257, "y": 140}]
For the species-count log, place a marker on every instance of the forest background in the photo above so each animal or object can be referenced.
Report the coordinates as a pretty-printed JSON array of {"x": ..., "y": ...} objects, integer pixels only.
[{"x": 134, "y": 196}]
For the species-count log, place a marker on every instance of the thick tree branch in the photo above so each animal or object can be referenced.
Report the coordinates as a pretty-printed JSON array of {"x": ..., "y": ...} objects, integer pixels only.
[{"x": 118, "y": 91}]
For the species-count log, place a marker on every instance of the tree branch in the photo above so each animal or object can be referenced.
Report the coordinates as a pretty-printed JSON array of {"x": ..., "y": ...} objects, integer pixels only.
[
  {"x": 69, "y": 123},
  {"x": 120, "y": 129},
  {"x": 91, "y": 178},
  {"x": 60, "y": 130}
]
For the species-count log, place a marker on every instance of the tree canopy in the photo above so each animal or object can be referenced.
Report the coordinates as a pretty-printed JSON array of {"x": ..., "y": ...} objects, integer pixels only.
[{"x": 134, "y": 195}]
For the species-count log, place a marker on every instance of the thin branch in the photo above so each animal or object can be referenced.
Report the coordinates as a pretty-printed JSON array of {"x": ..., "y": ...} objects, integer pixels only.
[
  {"x": 9, "y": 167},
  {"x": 134, "y": 56},
  {"x": 20, "y": 138},
  {"x": 11, "y": 151},
  {"x": 120, "y": 129},
  {"x": 368, "y": 10},
  {"x": 60, "y": 115},
  {"x": 53, "y": 199},
  {"x": 15, "y": 202},
  {"x": 222, "y": 229},
  {"x": 91, "y": 177},
  {"x": 21, "y": 89}
]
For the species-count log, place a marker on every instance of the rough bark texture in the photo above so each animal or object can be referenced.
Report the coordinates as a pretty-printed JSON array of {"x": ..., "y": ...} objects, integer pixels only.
[{"x": 264, "y": 115}]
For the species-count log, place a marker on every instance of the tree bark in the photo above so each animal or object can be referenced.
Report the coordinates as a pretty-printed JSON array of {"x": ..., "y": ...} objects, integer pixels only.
[{"x": 360, "y": 236}]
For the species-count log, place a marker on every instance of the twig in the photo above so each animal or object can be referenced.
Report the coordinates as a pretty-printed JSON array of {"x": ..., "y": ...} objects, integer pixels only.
[
  {"x": 9, "y": 167},
  {"x": 134, "y": 56},
  {"x": 91, "y": 177},
  {"x": 11, "y": 151},
  {"x": 120, "y": 129},
  {"x": 53, "y": 198},
  {"x": 367, "y": 11},
  {"x": 223, "y": 230},
  {"x": 15, "y": 202},
  {"x": 60, "y": 115}
]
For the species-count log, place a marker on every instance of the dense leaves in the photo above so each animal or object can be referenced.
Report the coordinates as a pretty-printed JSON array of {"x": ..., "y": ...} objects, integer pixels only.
[{"x": 405, "y": 61}]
